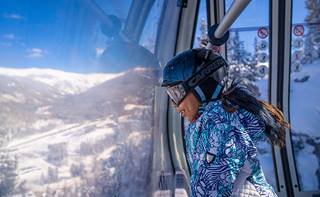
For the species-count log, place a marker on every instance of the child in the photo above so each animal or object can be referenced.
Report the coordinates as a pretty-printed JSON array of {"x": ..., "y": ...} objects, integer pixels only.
[{"x": 225, "y": 125}]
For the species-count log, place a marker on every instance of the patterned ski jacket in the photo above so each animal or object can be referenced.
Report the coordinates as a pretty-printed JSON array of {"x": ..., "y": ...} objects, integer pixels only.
[{"x": 219, "y": 144}]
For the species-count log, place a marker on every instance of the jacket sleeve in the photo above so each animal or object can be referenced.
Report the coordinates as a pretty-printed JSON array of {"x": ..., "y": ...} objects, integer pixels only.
[{"x": 227, "y": 148}]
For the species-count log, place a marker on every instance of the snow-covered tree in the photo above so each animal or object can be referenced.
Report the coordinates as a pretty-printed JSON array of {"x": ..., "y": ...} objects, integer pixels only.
[
  {"x": 53, "y": 174},
  {"x": 57, "y": 153},
  {"x": 242, "y": 65},
  {"x": 311, "y": 49},
  {"x": 8, "y": 175},
  {"x": 255, "y": 52},
  {"x": 237, "y": 54}
]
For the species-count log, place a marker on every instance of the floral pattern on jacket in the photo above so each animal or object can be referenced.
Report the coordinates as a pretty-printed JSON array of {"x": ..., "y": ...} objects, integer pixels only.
[{"x": 218, "y": 143}]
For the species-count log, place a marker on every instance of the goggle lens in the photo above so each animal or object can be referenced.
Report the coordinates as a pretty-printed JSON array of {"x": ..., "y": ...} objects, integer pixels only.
[{"x": 176, "y": 93}]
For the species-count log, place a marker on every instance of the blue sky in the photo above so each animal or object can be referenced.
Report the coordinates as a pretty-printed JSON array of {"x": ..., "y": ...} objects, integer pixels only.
[
  {"x": 256, "y": 14},
  {"x": 63, "y": 34},
  {"x": 60, "y": 34}
]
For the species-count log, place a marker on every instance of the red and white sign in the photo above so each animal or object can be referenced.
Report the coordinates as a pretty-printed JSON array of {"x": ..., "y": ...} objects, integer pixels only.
[
  {"x": 263, "y": 32},
  {"x": 298, "y": 30}
]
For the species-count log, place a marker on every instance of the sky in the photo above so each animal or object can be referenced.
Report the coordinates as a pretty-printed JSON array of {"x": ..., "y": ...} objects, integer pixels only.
[
  {"x": 59, "y": 34},
  {"x": 65, "y": 34},
  {"x": 255, "y": 15}
]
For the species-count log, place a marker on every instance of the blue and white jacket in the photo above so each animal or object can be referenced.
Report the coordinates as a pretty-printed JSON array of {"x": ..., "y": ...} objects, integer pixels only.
[{"x": 219, "y": 144}]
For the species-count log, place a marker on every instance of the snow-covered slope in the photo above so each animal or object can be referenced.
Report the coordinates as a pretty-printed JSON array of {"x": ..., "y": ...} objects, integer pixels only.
[
  {"x": 304, "y": 119},
  {"x": 75, "y": 133},
  {"x": 62, "y": 82}
]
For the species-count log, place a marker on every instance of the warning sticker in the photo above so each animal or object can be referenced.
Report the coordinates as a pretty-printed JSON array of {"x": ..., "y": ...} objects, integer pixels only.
[
  {"x": 262, "y": 57},
  {"x": 297, "y": 55},
  {"x": 262, "y": 45},
  {"x": 263, "y": 32},
  {"x": 297, "y": 43},
  {"x": 298, "y": 30}
]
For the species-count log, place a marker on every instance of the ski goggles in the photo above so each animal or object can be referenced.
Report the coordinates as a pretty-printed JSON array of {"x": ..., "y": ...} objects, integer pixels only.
[
  {"x": 180, "y": 90},
  {"x": 176, "y": 93}
]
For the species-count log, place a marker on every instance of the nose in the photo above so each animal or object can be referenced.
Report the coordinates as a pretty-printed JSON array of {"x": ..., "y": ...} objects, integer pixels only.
[
  {"x": 174, "y": 105},
  {"x": 179, "y": 109}
]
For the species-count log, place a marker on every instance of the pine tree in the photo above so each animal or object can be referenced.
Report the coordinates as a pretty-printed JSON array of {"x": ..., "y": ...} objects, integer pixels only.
[
  {"x": 242, "y": 63},
  {"x": 255, "y": 52},
  {"x": 237, "y": 54},
  {"x": 311, "y": 50},
  {"x": 8, "y": 175}
]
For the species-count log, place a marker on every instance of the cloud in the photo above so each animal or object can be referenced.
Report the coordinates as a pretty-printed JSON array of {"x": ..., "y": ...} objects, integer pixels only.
[
  {"x": 99, "y": 51},
  {"x": 14, "y": 16},
  {"x": 9, "y": 36},
  {"x": 36, "y": 53}
]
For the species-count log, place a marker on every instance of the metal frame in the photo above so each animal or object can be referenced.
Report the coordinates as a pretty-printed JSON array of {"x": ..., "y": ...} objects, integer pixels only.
[
  {"x": 187, "y": 26},
  {"x": 137, "y": 16},
  {"x": 185, "y": 32},
  {"x": 286, "y": 107},
  {"x": 281, "y": 53},
  {"x": 167, "y": 33},
  {"x": 274, "y": 88},
  {"x": 216, "y": 12},
  {"x": 175, "y": 34},
  {"x": 162, "y": 170}
]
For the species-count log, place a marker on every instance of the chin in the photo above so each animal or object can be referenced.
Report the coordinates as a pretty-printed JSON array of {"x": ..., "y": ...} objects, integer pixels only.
[{"x": 188, "y": 118}]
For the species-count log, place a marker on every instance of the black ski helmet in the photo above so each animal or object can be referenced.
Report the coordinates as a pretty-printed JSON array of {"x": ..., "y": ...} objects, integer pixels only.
[{"x": 197, "y": 70}]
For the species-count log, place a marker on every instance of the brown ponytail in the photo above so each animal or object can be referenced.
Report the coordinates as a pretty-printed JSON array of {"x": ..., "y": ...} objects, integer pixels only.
[
  {"x": 279, "y": 118},
  {"x": 237, "y": 96}
]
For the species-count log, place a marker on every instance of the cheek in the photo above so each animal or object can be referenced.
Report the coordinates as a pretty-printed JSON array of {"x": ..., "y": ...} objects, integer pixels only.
[{"x": 192, "y": 110}]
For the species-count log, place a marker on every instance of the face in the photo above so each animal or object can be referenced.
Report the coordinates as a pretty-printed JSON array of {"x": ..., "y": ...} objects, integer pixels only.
[{"x": 189, "y": 107}]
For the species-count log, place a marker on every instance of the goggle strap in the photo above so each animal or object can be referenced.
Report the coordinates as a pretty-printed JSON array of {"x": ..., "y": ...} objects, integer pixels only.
[
  {"x": 200, "y": 93},
  {"x": 203, "y": 73},
  {"x": 216, "y": 92}
]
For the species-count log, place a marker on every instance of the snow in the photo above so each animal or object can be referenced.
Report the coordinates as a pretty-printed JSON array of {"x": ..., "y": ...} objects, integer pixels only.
[
  {"x": 44, "y": 123},
  {"x": 304, "y": 119},
  {"x": 263, "y": 86},
  {"x": 304, "y": 103},
  {"x": 65, "y": 82},
  {"x": 47, "y": 139},
  {"x": 305, "y": 157},
  {"x": 43, "y": 110},
  {"x": 107, "y": 153},
  {"x": 16, "y": 98},
  {"x": 265, "y": 157},
  {"x": 129, "y": 107}
]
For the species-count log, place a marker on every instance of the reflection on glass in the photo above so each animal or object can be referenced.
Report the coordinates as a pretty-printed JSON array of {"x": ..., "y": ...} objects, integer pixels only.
[
  {"x": 148, "y": 37},
  {"x": 304, "y": 92},
  {"x": 72, "y": 124},
  {"x": 248, "y": 56}
]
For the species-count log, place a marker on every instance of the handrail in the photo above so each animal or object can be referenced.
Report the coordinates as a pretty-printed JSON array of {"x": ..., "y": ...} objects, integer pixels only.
[{"x": 233, "y": 13}]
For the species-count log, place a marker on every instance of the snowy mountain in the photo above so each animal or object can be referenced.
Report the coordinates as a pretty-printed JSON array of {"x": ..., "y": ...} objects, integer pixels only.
[{"x": 76, "y": 134}]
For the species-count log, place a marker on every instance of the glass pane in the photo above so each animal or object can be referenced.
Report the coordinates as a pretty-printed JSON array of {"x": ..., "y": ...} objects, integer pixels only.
[
  {"x": 248, "y": 56},
  {"x": 304, "y": 92},
  {"x": 149, "y": 34},
  {"x": 202, "y": 25},
  {"x": 76, "y": 100},
  {"x": 200, "y": 35}
]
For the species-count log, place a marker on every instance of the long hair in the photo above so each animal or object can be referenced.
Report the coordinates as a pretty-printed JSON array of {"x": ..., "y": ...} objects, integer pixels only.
[{"x": 238, "y": 96}]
